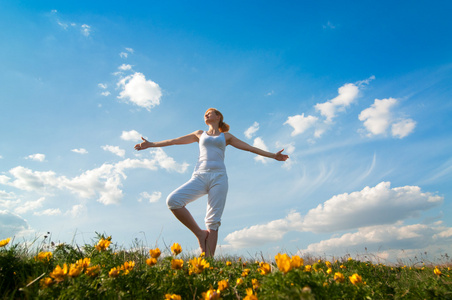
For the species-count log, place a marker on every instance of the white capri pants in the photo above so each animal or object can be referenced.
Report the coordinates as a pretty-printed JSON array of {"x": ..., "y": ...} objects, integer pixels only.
[{"x": 213, "y": 184}]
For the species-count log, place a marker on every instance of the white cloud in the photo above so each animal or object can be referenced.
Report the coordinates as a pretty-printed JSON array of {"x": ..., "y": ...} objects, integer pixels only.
[
  {"x": 103, "y": 86},
  {"x": 123, "y": 54},
  {"x": 103, "y": 182},
  {"x": 371, "y": 206},
  {"x": 48, "y": 212},
  {"x": 300, "y": 123},
  {"x": 12, "y": 225},
  {"x": 77, "y": 211},
  {"x": 329, "y": 25},
  {"x": 29, "y": 205},
  {"x": 80, "y": 151},
  {"x": 37, "y": 157},
  {"x": 86, "y": 30},
  {"x": 130, "y": 50},
  {"x": 261, "y": 234},
  {"x": 347, "y": 94},
  {"x": 394, "y": 240},
  {"x": 249, "y": 133},
  {"x": 6, "y": 196},
  {"x": 152, "y": 198},
  {"x": 115, "y": 150},
  {"x": 377, "y": 117},
  {"x": 376, "y": 206},
  {"x": 403, "y": 128},
  {"x": 107, "y": 93},
  {"x": 139, "y": 91},
  {"x": 131, "y": 135},
  {"x": 125, "y": 67},
  {"x": 259, "y": 143}
]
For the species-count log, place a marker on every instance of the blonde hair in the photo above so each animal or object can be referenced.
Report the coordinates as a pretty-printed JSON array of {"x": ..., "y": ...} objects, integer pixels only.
[{"x": 222, "y": 125}]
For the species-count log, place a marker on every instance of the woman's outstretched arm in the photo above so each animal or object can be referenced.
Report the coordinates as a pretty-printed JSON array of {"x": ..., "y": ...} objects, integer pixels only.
[
  {"x": 186, "y": 139},
  {"x": 239, "y": 144}
]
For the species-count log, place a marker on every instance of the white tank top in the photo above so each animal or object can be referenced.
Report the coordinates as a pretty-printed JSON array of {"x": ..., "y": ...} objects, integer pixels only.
[{"x": 211, "y": 153}]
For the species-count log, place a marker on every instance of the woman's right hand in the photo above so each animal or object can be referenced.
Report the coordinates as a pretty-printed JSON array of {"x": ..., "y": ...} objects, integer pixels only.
[{"x": 143, "y": 145}]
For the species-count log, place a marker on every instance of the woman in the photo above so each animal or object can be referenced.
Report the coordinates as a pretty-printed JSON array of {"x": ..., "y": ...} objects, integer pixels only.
[{"x": 209, "y": 176}]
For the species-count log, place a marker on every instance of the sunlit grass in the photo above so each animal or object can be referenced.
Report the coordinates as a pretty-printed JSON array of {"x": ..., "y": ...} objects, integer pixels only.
[{"x": 102, "y": 270}]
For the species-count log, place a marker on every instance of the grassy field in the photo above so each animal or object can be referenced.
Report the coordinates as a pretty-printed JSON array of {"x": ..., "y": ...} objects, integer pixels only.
[{"x": 104, "y": 271}]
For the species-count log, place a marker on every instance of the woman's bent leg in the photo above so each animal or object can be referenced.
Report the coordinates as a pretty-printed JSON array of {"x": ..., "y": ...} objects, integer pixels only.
[{"x": 183, "y": 215}]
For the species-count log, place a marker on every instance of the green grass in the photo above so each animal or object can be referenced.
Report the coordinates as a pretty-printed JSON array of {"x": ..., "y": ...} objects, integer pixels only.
[{"x": 24, "y": 276}]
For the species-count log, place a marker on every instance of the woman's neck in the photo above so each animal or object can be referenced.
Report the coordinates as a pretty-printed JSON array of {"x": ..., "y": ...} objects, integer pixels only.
[{"x": 213, "y": 130}]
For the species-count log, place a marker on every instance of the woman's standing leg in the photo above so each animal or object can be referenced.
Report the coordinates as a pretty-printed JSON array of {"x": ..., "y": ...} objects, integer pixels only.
[{"x": 215, "y": 206}]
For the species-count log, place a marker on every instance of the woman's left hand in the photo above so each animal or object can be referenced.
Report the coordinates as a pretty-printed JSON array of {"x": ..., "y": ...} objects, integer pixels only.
[{"x": 281, "y": 157}]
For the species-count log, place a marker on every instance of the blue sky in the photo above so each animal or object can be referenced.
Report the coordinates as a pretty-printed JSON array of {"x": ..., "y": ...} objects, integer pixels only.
[{"x": 358, "y": 94}]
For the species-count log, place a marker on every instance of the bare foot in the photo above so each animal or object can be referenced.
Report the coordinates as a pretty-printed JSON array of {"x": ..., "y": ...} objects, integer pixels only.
[{"x": 202, "y": 240}]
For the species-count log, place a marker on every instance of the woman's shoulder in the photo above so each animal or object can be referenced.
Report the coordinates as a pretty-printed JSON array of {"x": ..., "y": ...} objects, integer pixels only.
[{"x": 198, "y": 133}]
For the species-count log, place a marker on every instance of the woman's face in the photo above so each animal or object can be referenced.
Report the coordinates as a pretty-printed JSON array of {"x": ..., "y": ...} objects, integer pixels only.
[{"x": 211, "y": 117}]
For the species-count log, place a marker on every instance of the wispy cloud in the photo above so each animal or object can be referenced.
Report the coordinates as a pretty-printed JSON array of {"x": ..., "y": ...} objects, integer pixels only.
[
  {"x": 152, "y": 198},
  {"x": 115, "y": 150},
  {"x": 249, "y": 133},
  {"x": 80, "y": 151},
  {"x": 36, "y": 157}
]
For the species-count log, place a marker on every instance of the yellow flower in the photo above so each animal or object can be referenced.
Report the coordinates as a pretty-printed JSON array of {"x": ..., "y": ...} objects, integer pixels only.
[
  {"x": 223, "y": 284},
  {"x": 197, "y": 265},
  {"x": 59, "y": 273},
  {"x": 239, "y": 281},
  {"x": 308, "y": 268},
  {"x": 255, "y": 283},
  {"x": 43, "y": 256},
  {"x": 46, "y": 282},
  {"x": 92, "y": 271},
  {"x": 128, "y": 265},
  {"x": 437, "y": 271},
  {"x": 211, "y": 294},
  {"x": 355, "y": 279},
  {"x": 151, "y": 261},
  {"x": 202, "y": 254},
  {"x": 177, "y": 264},
  {"x": 4, "y": 242},
  {"x": 250, "y": 295},
  {"x": 172, "y": 297},
  {"x": 84, "y": 262},
  {"x": 114, "y": 272},
  {"x": 155, "y": 253},
  {"x": 296, "y": 261},
  {"x": 329, "y": 271},
  {"x": 283, "y": 262},
  {"x": 339, "y": 277},
  {"x": 228, "y": 263},
  {"x": 74, "y": 271},
  {"x": 264, "y": 268},
  {"x": 103, "y": 244},
  {"x": 328, "y": 264},
  {"x": 176, "y": 249},
  {"x": 343, "y": 267},
  {"x": 246, "y": 272}
]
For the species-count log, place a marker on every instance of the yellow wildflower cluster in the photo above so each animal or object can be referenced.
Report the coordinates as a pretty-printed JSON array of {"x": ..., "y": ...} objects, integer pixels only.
[
  {"x": 124, "y": 269},
  {"x": 155, "y": 253},
  {"x": 59, "y": 274},
  {"x": 264, "y": 268},
  {"x": 197, "y": 265},
  {"x": 437, "y": 271},
  {"x": 355, "y": 279},
  {"x": 4, "y": 242},
  {"x": 43, "y": 256},
  {"x": 250, "y": 295},
  {"x": 103, "y": 244},
  {"x": 285, "y": 263}
]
